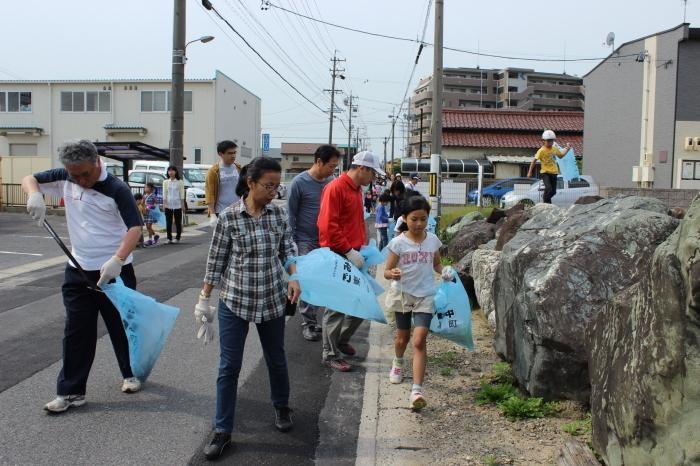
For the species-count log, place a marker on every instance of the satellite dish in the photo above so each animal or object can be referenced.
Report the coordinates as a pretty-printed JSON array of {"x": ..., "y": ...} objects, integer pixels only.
[{"x": 610, "y": 40}]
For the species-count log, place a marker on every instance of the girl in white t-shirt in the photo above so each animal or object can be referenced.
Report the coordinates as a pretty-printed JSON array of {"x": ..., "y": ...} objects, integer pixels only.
[{"x": 413, "y": 257}]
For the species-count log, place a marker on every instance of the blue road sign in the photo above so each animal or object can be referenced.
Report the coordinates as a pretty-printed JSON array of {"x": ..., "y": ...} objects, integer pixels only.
[{"x": 266, "y": 142}]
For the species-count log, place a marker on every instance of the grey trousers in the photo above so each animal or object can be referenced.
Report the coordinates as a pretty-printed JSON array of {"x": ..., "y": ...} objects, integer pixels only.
[
  {"x": 309, "y": 312},
  {"x": 338, "y": 328}
]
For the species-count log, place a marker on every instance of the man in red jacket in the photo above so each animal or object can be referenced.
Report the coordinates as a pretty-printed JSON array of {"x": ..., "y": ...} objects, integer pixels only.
[{"x": 341, "y": 227}]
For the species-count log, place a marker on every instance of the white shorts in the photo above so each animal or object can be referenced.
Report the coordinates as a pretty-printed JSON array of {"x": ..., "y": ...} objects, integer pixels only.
[{"x": 397, "y": 301}]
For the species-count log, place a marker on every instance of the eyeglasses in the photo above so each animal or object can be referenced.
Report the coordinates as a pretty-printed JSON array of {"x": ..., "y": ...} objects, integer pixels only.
[{"x": 271, "y": 188}]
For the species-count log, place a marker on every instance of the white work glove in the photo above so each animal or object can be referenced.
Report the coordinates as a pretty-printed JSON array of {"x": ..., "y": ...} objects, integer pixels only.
[
  {"x": 448, "y": 273},
  {"x": 204, "y": 315},
  {"x": 355, "y": 257},
  {"x": 36, "y": 207},
  {"x": 110, "y": 270}
]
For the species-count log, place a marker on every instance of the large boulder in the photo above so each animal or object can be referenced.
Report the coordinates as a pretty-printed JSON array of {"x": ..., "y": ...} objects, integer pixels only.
[
  {"x": 470, "y": 237},
  {"x": 554, "y": 277},
  {"x": 483, "y": 268},
  {"x": 645, "y": 360},
  {"x": 464, "y": 220},
  {"x": 510, "y": 227}
]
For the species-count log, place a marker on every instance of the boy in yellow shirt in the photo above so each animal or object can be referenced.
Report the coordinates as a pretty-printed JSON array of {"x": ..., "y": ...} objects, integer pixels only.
[{"x": 549, "y": 170}]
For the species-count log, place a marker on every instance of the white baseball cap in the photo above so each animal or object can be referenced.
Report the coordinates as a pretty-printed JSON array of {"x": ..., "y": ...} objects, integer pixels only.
[{"x": 368, "y": 159}]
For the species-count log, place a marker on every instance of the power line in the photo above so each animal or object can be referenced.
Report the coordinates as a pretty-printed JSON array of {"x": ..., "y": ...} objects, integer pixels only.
[
  {"x": 207, "y": 4},
  {"x": 269, "y": 4}
]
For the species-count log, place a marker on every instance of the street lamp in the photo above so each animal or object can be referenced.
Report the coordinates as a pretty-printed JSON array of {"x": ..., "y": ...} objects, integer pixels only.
[
  {"x": 203, "y": 39},
  {"x": 393, "y": 124}
]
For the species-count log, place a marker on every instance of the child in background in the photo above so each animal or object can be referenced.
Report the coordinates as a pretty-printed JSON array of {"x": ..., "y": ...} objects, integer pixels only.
[
  {"x": 138, "y": 197},
  {"x": 381, "y": 221},
  {"x": 413, "y": 256},
  {"x": 150, "y": 200}
]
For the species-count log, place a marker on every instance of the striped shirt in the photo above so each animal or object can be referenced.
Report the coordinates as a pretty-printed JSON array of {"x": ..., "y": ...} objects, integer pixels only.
[{"x": 246, "y": 255}]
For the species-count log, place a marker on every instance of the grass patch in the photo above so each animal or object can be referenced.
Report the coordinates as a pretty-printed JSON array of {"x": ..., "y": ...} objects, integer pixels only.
[
  {"x": 491, "y": 460},
  {"x": 492, "y": 394},
  {"x": 446, "y": 261},
  {"x": 527, "y": 408},
  {"x": 503, "y": 373},
  {"x": 446, "y": 371},
  {"x": 578, "y": 428},
  {"x": 446, "y": 359},
  {"x": 450, "y": 213}
]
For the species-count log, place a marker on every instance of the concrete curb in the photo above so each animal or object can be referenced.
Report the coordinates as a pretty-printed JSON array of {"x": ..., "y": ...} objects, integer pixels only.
[{"x": 367, "y": 436}]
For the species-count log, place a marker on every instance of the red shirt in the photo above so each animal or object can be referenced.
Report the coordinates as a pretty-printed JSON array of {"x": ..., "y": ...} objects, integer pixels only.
[{"x": 341, "y": 219}]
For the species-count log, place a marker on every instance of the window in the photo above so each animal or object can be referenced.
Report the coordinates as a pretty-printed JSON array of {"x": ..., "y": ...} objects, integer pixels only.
[
  {"x": 159, "y": 101},
  {"x": 91, "y": 101},
  {"x": 295, "y": 158},
  {"x": 512, "y": 88},
  {"x": 197, "y": 155},
  {"x": 23, "y": 150},
  {"x": 579, "y": 183},
  {"x": 15, "y": 101},
  {"x": 155, "y": 178},
  {"x": 690, "y": 170},
  {"x": 137, "y": 177}
]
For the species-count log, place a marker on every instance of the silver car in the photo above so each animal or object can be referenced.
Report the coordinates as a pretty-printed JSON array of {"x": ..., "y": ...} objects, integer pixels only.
[{"x": 567, "y": 192}]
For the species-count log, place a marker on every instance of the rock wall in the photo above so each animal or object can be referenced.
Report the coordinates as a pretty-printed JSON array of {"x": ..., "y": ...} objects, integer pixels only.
[
  {"x": 484, "y": 263},
  {"x": 645, "y": 360},
  {"x": 557, "y": 273}
]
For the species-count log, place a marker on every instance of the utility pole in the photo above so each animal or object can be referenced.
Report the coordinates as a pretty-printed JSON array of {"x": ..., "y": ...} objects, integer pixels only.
[
  {"x": 351, "y": 108},
  {"x": 436, "y": 115},
  {"x": 420, "y": 144},
  {"x": 385, "y": 141},
  {"x": 177, "y": 92},
  {"x": 335, "y": 73},
  {"x": 393, "y": 125}
]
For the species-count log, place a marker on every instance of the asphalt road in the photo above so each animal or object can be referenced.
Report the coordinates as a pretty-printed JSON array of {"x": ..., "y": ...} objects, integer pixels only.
[{"x": 169, "y": 421}]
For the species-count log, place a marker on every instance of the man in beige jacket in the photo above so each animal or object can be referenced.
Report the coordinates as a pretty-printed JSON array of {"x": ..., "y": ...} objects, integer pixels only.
[{"x": 222, "y": 178}]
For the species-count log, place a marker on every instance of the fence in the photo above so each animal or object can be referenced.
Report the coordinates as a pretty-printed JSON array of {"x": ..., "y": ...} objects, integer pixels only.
[
  {"x": 670, "y": 197},
  {"x": 12, "y": 195}
]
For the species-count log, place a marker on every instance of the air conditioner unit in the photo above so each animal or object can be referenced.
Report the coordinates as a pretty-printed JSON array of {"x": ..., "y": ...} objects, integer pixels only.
[
  {"x": 648, "y": 174},
  {"x": 696, "y": 143},
  {"x": 689, "y": 143}
]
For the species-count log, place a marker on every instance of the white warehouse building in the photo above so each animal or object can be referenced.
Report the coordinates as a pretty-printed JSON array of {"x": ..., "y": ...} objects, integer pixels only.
[{"x": 36, "y": 117}]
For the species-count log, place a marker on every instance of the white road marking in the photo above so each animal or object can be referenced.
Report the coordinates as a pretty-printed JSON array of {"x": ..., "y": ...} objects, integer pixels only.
[
  {"x": 44, "y": 237},
  {"x": 20, "y": 253}
]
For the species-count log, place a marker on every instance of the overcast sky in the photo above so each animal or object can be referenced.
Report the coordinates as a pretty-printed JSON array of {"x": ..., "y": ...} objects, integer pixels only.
[{"x": 133, "y": 38}]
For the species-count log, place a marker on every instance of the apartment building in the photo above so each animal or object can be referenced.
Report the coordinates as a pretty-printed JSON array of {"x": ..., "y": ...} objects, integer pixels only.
[
  {"x": 476, "y": 88},
  {"x": 36, "y": 117},
  {"x": 642, "y": 121}
]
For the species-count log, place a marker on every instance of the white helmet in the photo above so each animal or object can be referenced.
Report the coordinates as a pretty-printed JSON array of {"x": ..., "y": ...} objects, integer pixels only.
[{"x": 548, "y": 134}]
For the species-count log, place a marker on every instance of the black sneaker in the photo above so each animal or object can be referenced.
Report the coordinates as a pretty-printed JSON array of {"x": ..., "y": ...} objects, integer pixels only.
[
  {"x": 309, "y": 334},
  {"x": 283, "y": 419},
  {"x": 217, "y": 445}
]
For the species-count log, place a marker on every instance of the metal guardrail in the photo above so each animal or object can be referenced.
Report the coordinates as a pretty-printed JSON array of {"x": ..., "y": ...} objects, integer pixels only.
[{"x": 12, "y": 195}]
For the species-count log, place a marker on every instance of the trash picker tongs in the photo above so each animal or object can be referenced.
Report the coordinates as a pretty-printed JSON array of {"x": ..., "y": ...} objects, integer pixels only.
[{"x": 65, "y": 249}]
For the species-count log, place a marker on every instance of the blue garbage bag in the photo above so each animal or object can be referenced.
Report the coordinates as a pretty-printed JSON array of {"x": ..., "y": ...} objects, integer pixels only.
[
  {"x": 147, "y": 324},
  {"x": 330, "y": 280},
  {"x": 567, "y": 165},
  {"x": 452, "y": 317},
  {"x": 373, "y": 257},
  {"x": 432, "y": 224},
  {"x": 158, "y": 216}
]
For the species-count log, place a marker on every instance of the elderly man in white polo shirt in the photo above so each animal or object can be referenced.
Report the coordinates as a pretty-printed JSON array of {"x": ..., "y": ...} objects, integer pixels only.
[{"x": 104, "y": 226}]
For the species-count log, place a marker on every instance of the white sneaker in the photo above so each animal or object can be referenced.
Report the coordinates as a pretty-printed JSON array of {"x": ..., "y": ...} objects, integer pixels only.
[
  {"x": 131, "y": 385},
  {"x": 62, "y": 403},
  {"x": 417, "y": 401},
  {"x": 396, "y": 374},
  {"x": 176, "y": 240}
]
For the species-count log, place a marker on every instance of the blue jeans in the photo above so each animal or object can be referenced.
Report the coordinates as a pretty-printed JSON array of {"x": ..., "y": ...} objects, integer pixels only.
[{"x": 232, "y": 335}]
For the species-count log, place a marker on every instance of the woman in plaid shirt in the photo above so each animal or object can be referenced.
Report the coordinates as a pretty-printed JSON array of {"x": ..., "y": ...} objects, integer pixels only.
[{"x": 251, "y": 241}]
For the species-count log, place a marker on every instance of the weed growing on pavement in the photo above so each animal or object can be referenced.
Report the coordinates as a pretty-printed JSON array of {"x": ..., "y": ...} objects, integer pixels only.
[
  {"x": 446, "y": 371},
  {"x": 446, "y": 359},
  {"x": 489, "y": 394},
  {"x": 578, "y": 428},
  {"x": 503, "y": 373},
  {"x": 491, "y": 460},
  {"x": 517, "y": 407}
]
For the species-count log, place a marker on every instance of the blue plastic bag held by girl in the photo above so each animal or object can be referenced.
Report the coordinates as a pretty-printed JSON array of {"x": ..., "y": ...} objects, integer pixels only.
[
  {"x": 158, "y": 216},
  {"x": 147, "y": 324},
  {"x": 567, "y": 164},
  {"x": 452, "y": 318},
  {"x": 330, "y": 280}
]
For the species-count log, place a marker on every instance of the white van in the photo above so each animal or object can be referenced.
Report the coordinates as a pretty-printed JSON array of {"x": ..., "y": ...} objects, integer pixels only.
[{"x": 195, "y": 173}]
